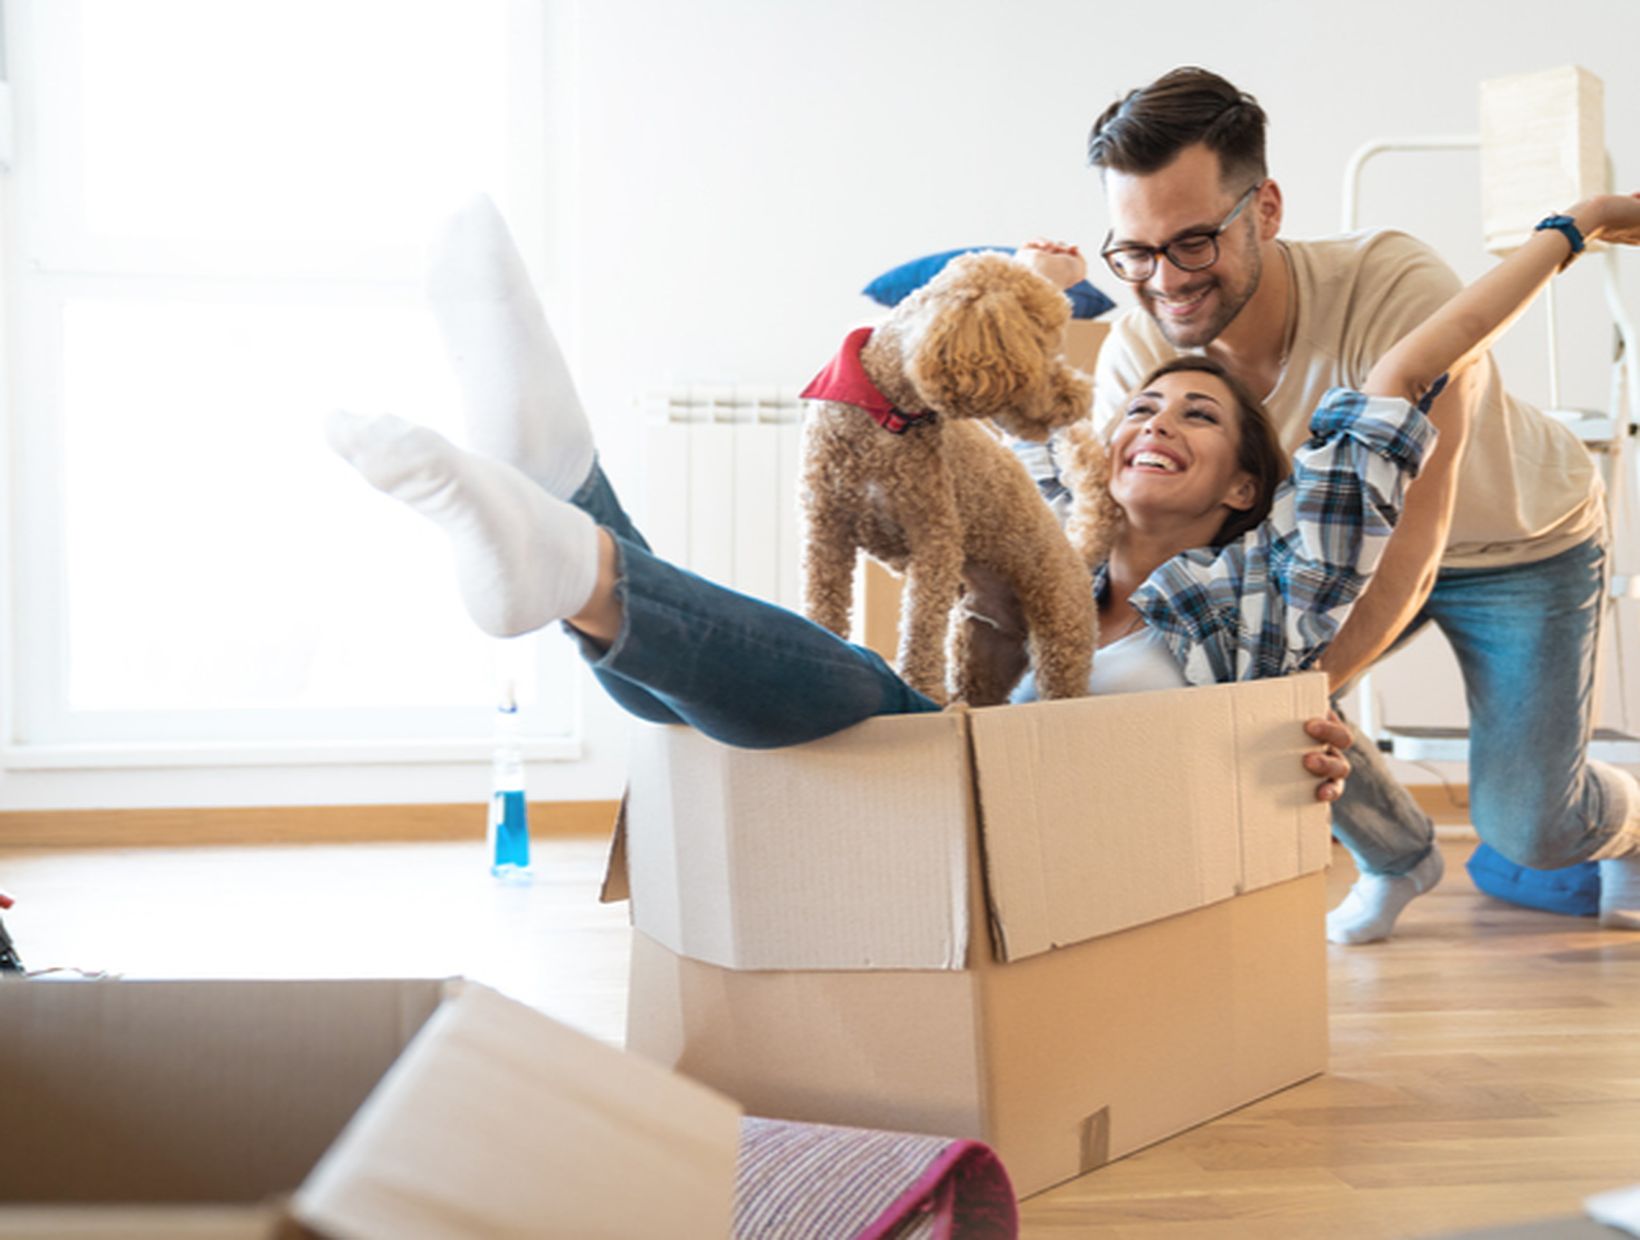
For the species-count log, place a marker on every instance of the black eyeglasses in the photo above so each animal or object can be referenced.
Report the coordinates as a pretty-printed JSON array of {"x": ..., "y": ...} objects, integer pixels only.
[{"x": 1192, "y": 252}]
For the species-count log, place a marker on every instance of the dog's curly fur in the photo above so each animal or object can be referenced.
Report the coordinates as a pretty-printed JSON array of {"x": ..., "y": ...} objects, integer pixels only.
[
  {"x": 945, "y": 502},
  {"x": 1094, "y": 517}
]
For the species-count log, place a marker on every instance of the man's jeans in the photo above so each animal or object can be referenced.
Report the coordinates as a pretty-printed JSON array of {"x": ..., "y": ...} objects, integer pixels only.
[
  {"x": 742, "y": 671},
  {"x": 1526, "y": 639}
]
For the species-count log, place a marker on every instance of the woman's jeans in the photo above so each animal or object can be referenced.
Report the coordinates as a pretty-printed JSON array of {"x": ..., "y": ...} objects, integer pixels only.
[
  {"x": 1526, "y": 638},
  {"x": 742, "y": 671}
]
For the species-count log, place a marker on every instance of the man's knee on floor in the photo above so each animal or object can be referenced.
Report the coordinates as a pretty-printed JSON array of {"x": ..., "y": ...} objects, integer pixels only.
[
  {"x": 1540, "y": 849},
  {"x": 1543, "y": 828}
]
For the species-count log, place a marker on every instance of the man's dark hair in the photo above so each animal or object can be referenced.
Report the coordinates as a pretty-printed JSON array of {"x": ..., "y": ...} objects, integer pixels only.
[{"x": 1145, "y": 131}]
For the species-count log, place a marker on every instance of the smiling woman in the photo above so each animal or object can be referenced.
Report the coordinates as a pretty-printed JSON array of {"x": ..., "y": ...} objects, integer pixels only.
[
  {"x": 534, "y": 548},
  {"x": 1223, "y": 417},
  {"x": 1241, "y": 569},
  {"x": 672, "y": 647}
]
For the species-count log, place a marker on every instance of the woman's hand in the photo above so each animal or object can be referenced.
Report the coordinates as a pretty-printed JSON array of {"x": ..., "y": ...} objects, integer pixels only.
[
  {"x": 1058, "y": 261},
  {"x": 1050, "y": 246},
  {"x": 1329, "y": 762},
  {"x": 1613, "y": 218}
]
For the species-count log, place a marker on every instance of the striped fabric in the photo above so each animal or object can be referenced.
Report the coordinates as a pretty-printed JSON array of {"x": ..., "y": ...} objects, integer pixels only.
[{"x": 819, "y": 1182}]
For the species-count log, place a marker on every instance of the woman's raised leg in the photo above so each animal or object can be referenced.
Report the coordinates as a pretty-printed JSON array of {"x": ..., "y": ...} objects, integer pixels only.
[{"x": 741, "y": 670}]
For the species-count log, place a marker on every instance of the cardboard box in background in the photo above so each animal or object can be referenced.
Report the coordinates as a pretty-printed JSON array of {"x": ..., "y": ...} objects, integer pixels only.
[
  {"x": 1068, "y": 929},
  {"x": 1543, "y": 147},
  {"x": 1083, "y": 337},
  {"x": 411, "y": 1109}
]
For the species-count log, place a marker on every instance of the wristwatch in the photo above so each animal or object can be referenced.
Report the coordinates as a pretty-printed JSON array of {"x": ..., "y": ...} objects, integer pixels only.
[{"x": 1567, "y": 227}]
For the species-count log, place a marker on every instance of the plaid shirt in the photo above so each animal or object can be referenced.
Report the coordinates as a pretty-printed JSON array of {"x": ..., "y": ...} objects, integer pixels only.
[{"x": 1270, "y": 603}]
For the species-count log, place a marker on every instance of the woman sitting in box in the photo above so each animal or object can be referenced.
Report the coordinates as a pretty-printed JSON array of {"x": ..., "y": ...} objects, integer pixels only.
[{"x": 1190, "y": 594}]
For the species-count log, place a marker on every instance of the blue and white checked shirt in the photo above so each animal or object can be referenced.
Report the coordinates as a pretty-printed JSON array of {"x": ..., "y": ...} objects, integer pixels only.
[{"x": 1272, "y": 602}]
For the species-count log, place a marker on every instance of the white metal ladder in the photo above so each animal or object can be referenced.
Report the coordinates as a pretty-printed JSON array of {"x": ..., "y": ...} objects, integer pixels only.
[{"x": 1613, "y": 437}]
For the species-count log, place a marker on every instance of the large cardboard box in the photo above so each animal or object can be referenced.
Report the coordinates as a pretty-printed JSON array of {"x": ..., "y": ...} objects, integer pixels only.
[
  {"x": 1068, "y": 929},
  {"x": 353, "y": 1109},
  {"x": 1543, "y": 147}
]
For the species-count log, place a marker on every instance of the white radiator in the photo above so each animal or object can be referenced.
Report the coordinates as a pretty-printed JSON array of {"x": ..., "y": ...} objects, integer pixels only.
[{"x": 720, "y": 466}]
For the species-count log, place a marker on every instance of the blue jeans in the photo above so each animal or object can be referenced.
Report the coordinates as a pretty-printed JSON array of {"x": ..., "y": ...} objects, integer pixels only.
[
  {"x": 741, "y": 670},
  {"x": 1526, "y": 638}
]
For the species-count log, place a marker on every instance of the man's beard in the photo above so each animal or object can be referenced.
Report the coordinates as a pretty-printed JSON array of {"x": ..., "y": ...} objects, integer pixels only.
[{"x": 1199, "y": 334}]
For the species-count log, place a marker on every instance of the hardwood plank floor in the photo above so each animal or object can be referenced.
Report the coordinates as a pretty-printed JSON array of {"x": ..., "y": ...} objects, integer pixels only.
[
  {"x": 1485, "y": 1063},
  {"x": 332, "y": 910}
]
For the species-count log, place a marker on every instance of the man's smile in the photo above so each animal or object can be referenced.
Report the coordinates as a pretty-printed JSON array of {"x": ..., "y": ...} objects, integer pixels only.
[{"x": 1181, "y": 307}]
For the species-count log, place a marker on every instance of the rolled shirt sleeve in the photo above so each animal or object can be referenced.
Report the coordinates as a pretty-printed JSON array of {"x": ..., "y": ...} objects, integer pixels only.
[{"x": 1273, "y": 601}]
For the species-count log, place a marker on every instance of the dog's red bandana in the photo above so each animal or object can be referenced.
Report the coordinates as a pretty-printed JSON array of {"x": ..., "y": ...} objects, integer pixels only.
[{"x": 845, "y": 380}]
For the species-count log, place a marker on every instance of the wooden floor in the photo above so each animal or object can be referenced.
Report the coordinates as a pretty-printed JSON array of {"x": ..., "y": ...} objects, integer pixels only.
[{"x": 1485, "y": 1063}]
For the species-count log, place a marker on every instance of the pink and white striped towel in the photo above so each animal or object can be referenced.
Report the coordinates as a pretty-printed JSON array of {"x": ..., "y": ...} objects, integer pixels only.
[{"x": 818, "y": 1182}]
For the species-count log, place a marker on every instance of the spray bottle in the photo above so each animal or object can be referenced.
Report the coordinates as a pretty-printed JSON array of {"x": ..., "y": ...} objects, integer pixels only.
[{"x": 509, "y": 833}]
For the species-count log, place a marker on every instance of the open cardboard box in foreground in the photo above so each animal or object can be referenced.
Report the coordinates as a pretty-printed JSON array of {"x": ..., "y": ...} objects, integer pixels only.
[
  {"x": 404, "y": 1109},
  {"x": 1068, "y": 929}
]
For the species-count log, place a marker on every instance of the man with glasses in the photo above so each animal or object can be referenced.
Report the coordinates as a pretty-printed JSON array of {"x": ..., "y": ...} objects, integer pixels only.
[{"x": 1506, "y": 555}]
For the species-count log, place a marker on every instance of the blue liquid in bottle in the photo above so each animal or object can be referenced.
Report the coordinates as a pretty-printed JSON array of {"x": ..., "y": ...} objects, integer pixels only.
[{"x": 509, "y": 833}]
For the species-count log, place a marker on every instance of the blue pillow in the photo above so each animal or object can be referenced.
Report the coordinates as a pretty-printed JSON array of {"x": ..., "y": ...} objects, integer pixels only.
[
  {"x": 1574, "y": 890},
  {"x": 893, "y": 287}
]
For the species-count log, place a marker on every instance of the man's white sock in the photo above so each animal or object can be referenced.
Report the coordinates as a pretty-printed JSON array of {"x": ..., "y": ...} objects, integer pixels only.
[
  {"x": 520, "y": 400},
  {"x": 1620, "y": 856},
  {"x": 1620, "y": 893},
  {"x": 523, "y": 558},
  {"x": 1367, "y": 914}
]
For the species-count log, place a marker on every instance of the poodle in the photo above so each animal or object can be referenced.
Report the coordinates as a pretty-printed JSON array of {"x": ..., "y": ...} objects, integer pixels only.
[
  {"x": 897, "y": 461},
  {"x": 1093, "y": 516}
]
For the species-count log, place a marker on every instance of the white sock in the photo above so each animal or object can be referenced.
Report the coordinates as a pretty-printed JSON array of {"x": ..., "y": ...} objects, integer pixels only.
[
  {"x": 1620, "y": 856},
  {"x": 520, "y": 401},
  {"x": 1367, "y": 914},
  {"x": 1620, "y": 893},
  {"x": 523, "y": 558}
]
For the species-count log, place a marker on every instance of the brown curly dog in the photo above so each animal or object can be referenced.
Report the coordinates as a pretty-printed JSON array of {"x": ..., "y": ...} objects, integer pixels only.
[
  {"x": 897, "y": 462},
  {"x": 1084, "y": 468}
]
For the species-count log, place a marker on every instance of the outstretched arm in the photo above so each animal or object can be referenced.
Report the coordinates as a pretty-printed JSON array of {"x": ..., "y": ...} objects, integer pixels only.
[
  {"x": 1448, "y": 342},
  {"x": 1461, "y": 331},
  {"x": 1405, "y": 576}
]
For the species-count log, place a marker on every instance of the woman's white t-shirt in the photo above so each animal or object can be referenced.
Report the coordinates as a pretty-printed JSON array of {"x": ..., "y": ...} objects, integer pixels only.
[{"x": 1136, "y": 663}]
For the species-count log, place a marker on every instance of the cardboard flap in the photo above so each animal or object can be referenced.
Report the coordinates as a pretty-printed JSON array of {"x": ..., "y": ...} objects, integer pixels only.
[
  {"x": 1100, "y": 814},
  {"x": 616, "y": 885},
  {"x": 138, "y": 1091},
  {"x": 1285, "y": 831},
  {"x": 263, "y": 1222},
  {"x": 499, "y": 1121},
  {"x": 845, "y": 853}
]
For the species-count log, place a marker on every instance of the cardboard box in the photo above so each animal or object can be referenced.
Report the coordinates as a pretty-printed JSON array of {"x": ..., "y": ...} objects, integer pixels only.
[
  {"x": 1068, "y": 929},
  {"x": 1083, "y": 339},
  {"x": 404, "y": 1109},
  {"x": 1543, "y": 147}
]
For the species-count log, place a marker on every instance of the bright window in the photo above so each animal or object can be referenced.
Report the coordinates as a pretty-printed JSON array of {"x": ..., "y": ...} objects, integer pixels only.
[{"x": 215, "y": 230}]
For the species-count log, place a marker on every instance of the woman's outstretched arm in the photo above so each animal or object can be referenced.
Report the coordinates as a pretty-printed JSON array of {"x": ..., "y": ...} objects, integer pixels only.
[{"x": 1464, "y": 328}]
